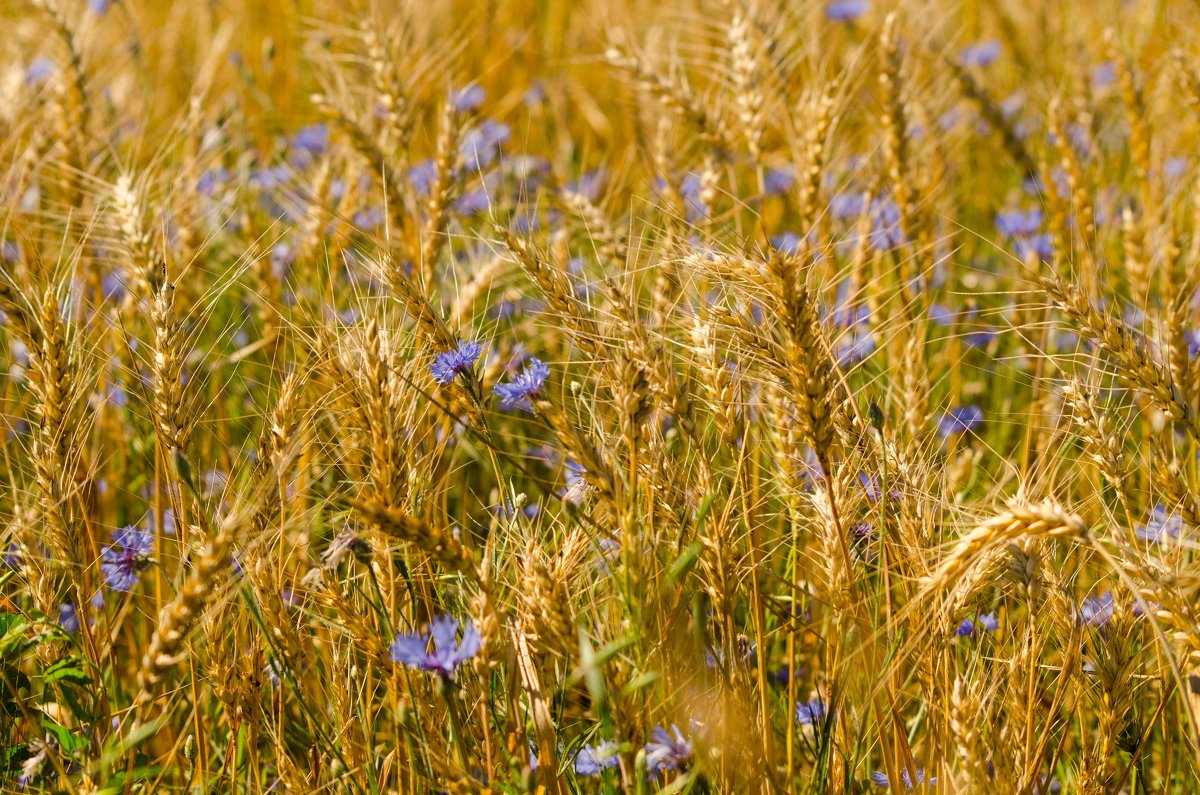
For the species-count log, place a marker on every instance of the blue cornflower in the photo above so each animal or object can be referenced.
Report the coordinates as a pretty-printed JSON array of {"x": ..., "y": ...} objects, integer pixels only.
[
  {"x": 880, "y": 779},
  {"x": 112, "y": 285},
  {"x": 534, "y": 95},
  {"x": 869, "y": 486},
  {"x": 472, "y": 203},
  {"x": 1016, "y": 223},
  {"x": 310, "y": 142},
  {"x": 576, "y": 478},
  {"x": 983, "y": 53},
  {"x": 449, "y": 365},
  {"x": 777, "y": 181},
  {"x": 856, "y": 344},
  {"x": 979, "y": 339},
  {"x": 368, "y": 218},
  {"x": 1024, "y": 229},
  {"x": 666, "y": 752},
  {"x": 848, "y": 205},
  {"x": 533, "y": 756},
  {"x": 590, "y": 184},
  {"x": 812, "y": 712},
  {"x": 787, "y": 243},
  {"x": 412, "y": 648},
  {"x": 468, "y": 98},
  {"x": 480, "y": 145},
  {"x": 846, "y": 10},
  {"x": 123, "y": 561},
  {"x": 982, "y": 622},
  {"x": 1041, "y": 245},
  {"x": 1175, "y": 167},
  {"x": 526, "y": 384},
  {"x": 594, "y": 760},
  {"x": 959, "y": 420},
  {"x": 886, "y": 232},
  {"x": 1104, "y": 74},
  {"x": 39, "y": 71},
  {"x": 1160, "y": 526},
  {"x": 422, "y": 176},
  {"x": 1097, "y": 611},
  {"x": 862, "y": 541},
  {"x": 68, "y": 618},
  {"x": 941, "y": 314}
]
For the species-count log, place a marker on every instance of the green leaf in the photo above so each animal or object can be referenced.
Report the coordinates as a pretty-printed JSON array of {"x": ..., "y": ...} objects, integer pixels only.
[
  {"x": 15, "y": 642},
  {"x": 67, "y": 741},
  {"x": 685, "y": 562},
  {"x": 66, "y": 671},
  {"x": 640, "y": 681}
]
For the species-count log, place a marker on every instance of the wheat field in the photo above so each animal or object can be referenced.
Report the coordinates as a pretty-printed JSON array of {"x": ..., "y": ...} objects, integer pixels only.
[{"x": 599, "y": 396}]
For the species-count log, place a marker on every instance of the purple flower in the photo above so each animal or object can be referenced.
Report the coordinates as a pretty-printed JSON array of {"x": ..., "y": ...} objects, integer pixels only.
[
  {"x": 68, "y": 618},
  {"x": 481, "y": 144},
  {"x": 124, "y": 560},
  {"x": 777, "y": 181},
  {"x": 1017, "y": 223},
  {"x": 449, "y": 365},
  {"x": 959, "y": 420},
  {"x": 422, "y": 176},
  {"x": 941, "y": 315},
  {"x": 472, "y": 203},
  {"x": 112, "y": 284},
  {"x": 982, "y": 53},
  {"x": 468, "y": 98},
  {"x": 594, "y": 760},
  {"x": 1193, "y": 339},
  {"x": 368, "y": 218},
  {"x": 99, "y": 6},
  {"x": 524, "y": 385},
  {"x": 787, "y": 243},
  {"x": 880, "y": 779},
  {"x": 412, "y": 648},
  {"x": 982, "y": 622},
  {"x": 666, "y": 752},
  {"x": 862, "y": 537},
  {"x": 534, "y": 95},
  {"x": 310, "y": 141},
  {"x": 39, "y": 71},
  {"x": 814, "y": 711},
  {"x": 1097, "y": 611},
  {"x": 979, "y": 339},
  {"x": 869, "y": 486},
  {"x": 1175, "y": 167},
  {"x": 589, "y": 185},
  {"x": 1041, "y": 246},
  {"x": 855, "y": 345},
  {"x": 846, "y": 10},
  {"x": 848, "y": 206},
  {"x": 1104, "y": 75},
  {"x": 1160, "y": 526},
  {"x": 886, "y": 233},
  {"x": 575, "y": 476}
]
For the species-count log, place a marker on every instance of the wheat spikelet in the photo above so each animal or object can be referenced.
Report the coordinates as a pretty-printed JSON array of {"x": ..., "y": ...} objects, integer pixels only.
[
  {"x": 673, "y": 96},
  {"x": 1136, "y": 365},
  {"x": 1042, "y": 520},
  {"x": 748, "y": 79},
  {"x": 397, "y": 524}
]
